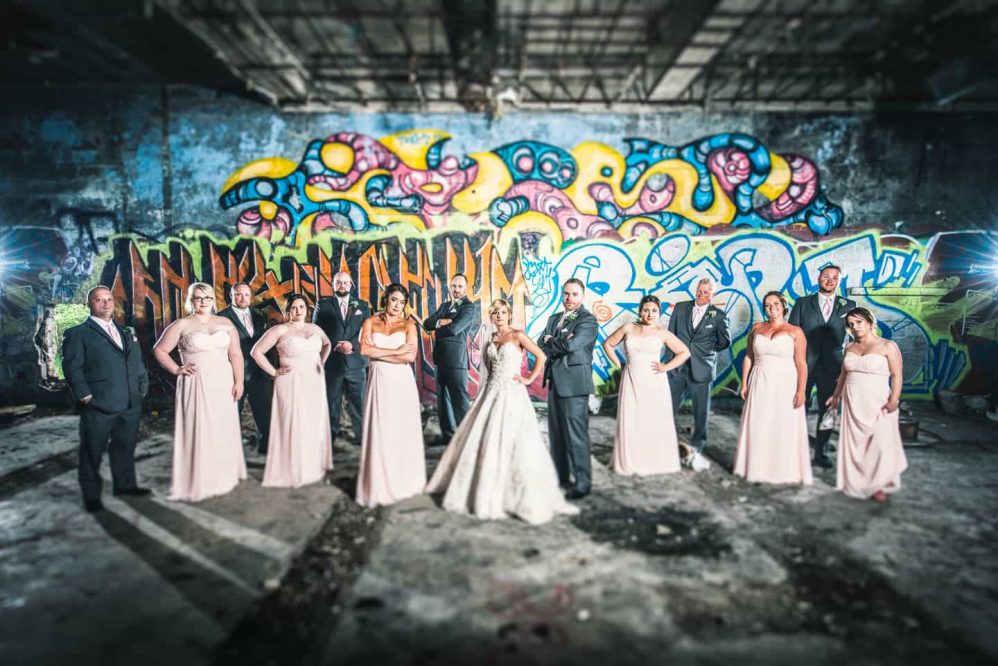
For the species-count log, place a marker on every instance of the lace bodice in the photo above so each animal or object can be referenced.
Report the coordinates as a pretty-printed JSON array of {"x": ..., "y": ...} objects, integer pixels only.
[
  {"x": 870, "y": 364},
  {"x": 195, "y": 342},
  {"x": 296, "y": 345},
  {"x": 505, "y": 361}
]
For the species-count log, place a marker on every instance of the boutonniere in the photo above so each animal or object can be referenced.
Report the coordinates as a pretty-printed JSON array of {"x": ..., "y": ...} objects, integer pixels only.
[
  {"x": 840, "y": 302},
  {"x": 571, "y": 316},
  {"x": 131, "y": 332},
  {"x": 354, "y": 305},
  {"x": 710, "y": 314}
]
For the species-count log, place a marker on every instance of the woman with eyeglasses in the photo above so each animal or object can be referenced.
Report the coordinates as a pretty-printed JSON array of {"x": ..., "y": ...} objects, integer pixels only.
[
  {"x": 207, "y": 442},
  {"x": 300, "y": 448}
]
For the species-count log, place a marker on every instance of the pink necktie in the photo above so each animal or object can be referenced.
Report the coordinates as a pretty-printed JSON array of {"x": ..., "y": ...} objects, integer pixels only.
[
  {"x": 826, "y": 307},
  {"x": 247, "y": 322},
  {"x": 697, "y": 316},
  {"x": 343, "y": 309},
  {"x": 113, "y": 332}
]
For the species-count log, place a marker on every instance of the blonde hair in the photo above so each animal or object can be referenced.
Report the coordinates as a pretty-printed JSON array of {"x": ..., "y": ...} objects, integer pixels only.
[
  {"x": 499, "y": 301},
  {"x": 198, "y": 286}
]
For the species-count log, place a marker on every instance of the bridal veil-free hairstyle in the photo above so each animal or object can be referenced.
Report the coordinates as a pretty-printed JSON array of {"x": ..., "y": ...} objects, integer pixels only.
[
  {"x": 197, "y": 287},
  {"x": 779, "y": 295},
  {"x": 391, "y": 289},
  {"x": 866, "y": 315}
]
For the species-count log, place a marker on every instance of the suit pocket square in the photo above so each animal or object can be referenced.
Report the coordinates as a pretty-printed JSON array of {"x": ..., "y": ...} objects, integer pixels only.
[{"x": 709, "y": 326}]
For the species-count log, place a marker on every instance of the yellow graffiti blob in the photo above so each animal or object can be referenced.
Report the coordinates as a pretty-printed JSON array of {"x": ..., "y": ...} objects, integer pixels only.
[
  {"x": 337, "y": 156},
  {"x": 267, "y": 167},
  {"x": 491, "y": 182},
  {"x": 778, "y": 180},
  {"x": 530, "y": 222}
]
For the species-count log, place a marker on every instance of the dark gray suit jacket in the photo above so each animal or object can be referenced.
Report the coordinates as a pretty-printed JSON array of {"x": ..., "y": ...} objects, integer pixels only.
[
  {"x": 825, "y": 340},
  {"x": 570, "y": 359},
  {"x": 94, "y": 365},
  {"x": 450, "y": 346},
  {"x": 251, "y": 371},
  {"x": 328, "y": 317},
  {"x": 704, "y": 341}
]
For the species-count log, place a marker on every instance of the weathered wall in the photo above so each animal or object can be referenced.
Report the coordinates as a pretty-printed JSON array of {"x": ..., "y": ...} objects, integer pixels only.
[{"x": 152, "y": 190}]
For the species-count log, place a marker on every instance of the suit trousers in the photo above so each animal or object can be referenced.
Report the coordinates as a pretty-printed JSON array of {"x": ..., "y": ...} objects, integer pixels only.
[
  {"x": 681, "y": 384},
  {"x": 452, "y": 399},
  {"x": 825, "y": 381},
  {"x": 354, "y": 383},
  {"x": 96, "y": 428},
  {"x": 259, "y": 393},
  {"x": 568, "y": 434}
]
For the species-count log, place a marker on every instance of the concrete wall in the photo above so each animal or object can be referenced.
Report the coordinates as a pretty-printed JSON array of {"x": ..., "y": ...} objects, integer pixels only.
[{"x": 150, "y": 190}]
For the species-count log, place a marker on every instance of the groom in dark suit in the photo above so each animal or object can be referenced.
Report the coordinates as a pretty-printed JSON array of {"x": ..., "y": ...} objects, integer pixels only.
[
  {"x": 340, "y": 318},
  {"x": 257, "y": 385},
  {"x": 452, "y": 325},
  {"x": 568, "y": 341},
  {"x": 704, "y": 329},
  {"x": 823, "y": 318},
  {"x": 103, "y": 365}
]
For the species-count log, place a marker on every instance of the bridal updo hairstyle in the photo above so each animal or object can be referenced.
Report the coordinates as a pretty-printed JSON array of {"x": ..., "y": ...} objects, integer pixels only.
[
  {"x": 866, "y": 315},
  {"x": 392, "y": 288},
  {"x": 291, "y": 301}
]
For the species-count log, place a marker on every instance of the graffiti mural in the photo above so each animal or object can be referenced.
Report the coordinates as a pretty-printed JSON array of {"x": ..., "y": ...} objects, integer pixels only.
[
  {"x": 884, "y": 272},
  {"x": 350, "y": 182}
]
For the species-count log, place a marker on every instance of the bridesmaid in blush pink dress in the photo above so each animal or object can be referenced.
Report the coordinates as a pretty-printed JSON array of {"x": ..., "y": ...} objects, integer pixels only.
[
  {"x": 207, "y": 443},
  {"x": 870, "y": 456},
  {"x": 772, "y": 441},
  {"x": 300, "y": 448},
  {"x": 392, "y": 462},
  {"x": 646, "y": 441}
]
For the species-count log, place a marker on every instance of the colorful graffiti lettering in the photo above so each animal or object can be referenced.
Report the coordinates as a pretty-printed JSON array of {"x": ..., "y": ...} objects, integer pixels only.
[
  {"x": 884, "y": 272},
  {"x": 349, "y": 182}
]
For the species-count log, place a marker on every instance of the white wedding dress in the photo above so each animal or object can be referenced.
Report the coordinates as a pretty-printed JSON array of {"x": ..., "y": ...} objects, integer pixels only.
[{"x": 497, "y": 463}]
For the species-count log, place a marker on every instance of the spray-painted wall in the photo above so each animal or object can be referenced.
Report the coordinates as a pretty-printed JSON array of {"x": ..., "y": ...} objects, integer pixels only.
[{"x": 152, "y": 191}]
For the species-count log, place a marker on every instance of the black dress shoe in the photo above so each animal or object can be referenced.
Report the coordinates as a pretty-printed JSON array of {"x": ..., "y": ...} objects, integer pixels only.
[
  {"x": 575, "y": 494},
  {"x": 93, "y": 506},
  {"x": 823, "y": 461},
  {"x": 133, "y": 492}
]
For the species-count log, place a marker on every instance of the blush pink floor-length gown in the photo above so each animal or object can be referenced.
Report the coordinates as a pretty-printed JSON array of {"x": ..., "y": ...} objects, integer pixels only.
[
  {"x": 870, "y": 456},
  {"x": 207, "y": 442},
  {"x": 772, "y": 440},
  {"x": 392, "y": 461},
  {"x": 300, "y": 448},
  {"x": 646, "y": 441}
]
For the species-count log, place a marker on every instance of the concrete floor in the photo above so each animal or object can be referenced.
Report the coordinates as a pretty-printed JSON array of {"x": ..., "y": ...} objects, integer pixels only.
[{"x": 694, "y": 568}]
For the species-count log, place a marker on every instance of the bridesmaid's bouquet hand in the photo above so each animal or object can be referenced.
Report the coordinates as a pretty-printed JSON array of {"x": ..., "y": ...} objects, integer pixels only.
[
  {"x": 187, "y": 369},
  {"x": 798, "y": 399},
  {"x": 237, "y": 391},
  {"x": 891, "y": 406}
]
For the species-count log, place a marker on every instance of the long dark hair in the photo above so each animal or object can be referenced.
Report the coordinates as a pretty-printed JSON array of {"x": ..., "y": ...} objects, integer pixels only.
[
  {"x": 291, "y": 301},
  {"x": 391, "y": 289}
]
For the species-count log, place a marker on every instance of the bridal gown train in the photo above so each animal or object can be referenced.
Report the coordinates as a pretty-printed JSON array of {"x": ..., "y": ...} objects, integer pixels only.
[
  {"x": 497, "y": 463},
  {"x": 207, "y": 443}
]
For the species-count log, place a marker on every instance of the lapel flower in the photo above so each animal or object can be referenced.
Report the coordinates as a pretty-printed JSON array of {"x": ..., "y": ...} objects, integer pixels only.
[
  {"x": 840, "y": 302},
  {"x": 353, "y": 305},
  {"x": 571, "y": 316},
  {"x": 710, "y": 313},
  {"x": 131, "y": 332}
]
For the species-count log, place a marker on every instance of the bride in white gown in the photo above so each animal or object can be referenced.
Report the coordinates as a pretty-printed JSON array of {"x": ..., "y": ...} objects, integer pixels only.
[{"x": 497, "y": 463}]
